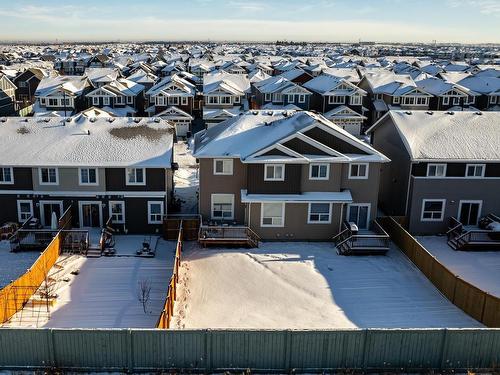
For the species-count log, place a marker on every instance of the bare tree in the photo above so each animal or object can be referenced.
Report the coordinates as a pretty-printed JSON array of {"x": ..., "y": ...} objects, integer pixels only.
[{"x": 144, "y": 292}]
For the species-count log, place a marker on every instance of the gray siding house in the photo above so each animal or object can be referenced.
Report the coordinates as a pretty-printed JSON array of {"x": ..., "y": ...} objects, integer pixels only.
[
  {"x": 444, "y": 165},
  {"x": 101, "y": 168},
  {"x": 287, "y": 175}
]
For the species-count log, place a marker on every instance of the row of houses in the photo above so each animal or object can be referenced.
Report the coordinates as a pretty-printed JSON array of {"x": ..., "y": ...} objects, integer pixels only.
[{"x": 285, "y": 174}]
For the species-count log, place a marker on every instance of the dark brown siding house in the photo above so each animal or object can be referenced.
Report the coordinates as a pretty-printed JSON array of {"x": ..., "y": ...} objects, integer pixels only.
[
  {"x": 114, "y": 167},
  {"x": 287, "y": 175},
  {"x": 444, "y": 165}
]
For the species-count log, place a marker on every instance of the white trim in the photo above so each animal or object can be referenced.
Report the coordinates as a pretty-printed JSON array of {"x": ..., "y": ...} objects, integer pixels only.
[
  {"x": 274, "y": 165},
  {"x": 319, "y": 178},
  {"x": 437, "y": 165},
  {"x": 128, "y": 183},
  {"x": 11, "y": 182},
  {"x": 369, "y": 205},
  {"x": 272, "y": 225},
  {"x": 212, "y": 206},
  {"x": 483, "y": 170},
  {"x": 122, "y": 203},
  {"x": 162, "y": 212},
  {"x": 365, "y": 177},
  {"x": 319, "y": 222},
  {"x": 424, "y": 201},
  {"x": 80, "y": 211},
  {"x": 81, "y": 183},
  {"x": 230, "y": 173},
  {"x": 19, "y": 202},
  {"x": 48, "y": 183},
  {"x": 42, "y": 214},
  {"x": 131, "y": 194},
  {"x": 470, "y": 201}
]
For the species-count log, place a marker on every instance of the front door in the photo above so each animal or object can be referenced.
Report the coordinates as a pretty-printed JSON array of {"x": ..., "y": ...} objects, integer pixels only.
[
  {"x": 47, "y": 209},
  {"x": 90, "y": 215},
  {"x": 359, "y": 214},
  {"x": 469, "y": 212}
]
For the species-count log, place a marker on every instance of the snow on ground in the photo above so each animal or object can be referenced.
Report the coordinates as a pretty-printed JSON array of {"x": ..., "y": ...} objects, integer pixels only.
[
  {"x": 186, "y": 178},
  {"x": 13, "y": 265},
  {"x": 481, "y": 269},
  {"x": 105, "y": 292},
  {"x": 306, "y": 286}
]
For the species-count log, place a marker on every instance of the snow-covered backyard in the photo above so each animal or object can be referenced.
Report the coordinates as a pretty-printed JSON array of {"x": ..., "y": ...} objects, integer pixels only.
[
  {"x": 105, "y": 293},
  {"x": 13, "y": 265},
  {"x": 306, "y": 286},
  {"x": 186, "y": 178},
  {"x": 479, "y": 268}
]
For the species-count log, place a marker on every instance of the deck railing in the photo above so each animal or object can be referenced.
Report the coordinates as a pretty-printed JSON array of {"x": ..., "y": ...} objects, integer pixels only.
[
  {"x": 228, "y": 234},
  {"x": 460, "y": 238},
  {"x": 349, "y": 243}
]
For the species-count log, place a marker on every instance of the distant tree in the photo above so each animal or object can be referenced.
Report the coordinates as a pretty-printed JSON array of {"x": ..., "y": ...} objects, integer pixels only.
[{"x": 144, "y": 293}]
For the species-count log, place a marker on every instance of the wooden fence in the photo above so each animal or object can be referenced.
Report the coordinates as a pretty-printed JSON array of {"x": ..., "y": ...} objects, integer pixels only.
[
  {"x": 14, "y": 296},
  {"x": 190, "y": 225},
  {"x": 66, "y": 219},
  {"x": 168, "y": 310},
  {"x": 479, "y": 304}
]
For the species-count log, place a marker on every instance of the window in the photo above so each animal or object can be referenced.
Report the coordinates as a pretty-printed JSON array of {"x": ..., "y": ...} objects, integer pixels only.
[
  {"x": 456, "y": 100},
  {"x": 160, "y": 101},
  {"x": 6, "y": 176},
  {"x": 302, "y": 98},
  {"x": 24, "y": 210},
  {"x": 119, "y": 100},
  {"x": 223, "y": 166},
  {"x": 358, "y": 171},
  {"x": 95, "y": 100},
  {"x": 22, "y": 84},
  {"x": 278, "y": 97},
  {"x": 274, "y": 172},
  {"x": 48, "y": 176},
  {"x": 225, "y": 100},
  {"x": 319, "y": 213},
  {"x": 105, "y": 100},
  {"x": 88, "y": 176},
  {"x": 173, "y": 100},
  {"x": 379, "y": 96},
  {"x": 52, "y": 102},
  {"x": 396, "y": 100},
  {"x": 336, "y": 99},
  {"x": 272, "y": 215},
  {"x": 155, "y": 212},
  {"x": 493, "y": 99},
  {"x": 355, "y": 100},
  {"x": 475, "y": 170},
  {"x": 236, "y": 99},
  {"x": 433, "y": 209},
  {"x": 130, "y": 100},
  {"x": 319, "y": 171},
  {"x": 136, "y": 176},
  {"x": 267, "y": 97},
  {"x": 359, "y": 213},
  {"x": 290, "y": 98},
  {"x": 446, "y": 100},
  {"x": 117, "y": 211},
  {"x": 436, "y": 170},
  {"x": 42, "y": 101},
  {"x": 223, "y": 206},
  {"x": 471, "y": 99},
  {"x": 184, "y": 100},
  {"x": 213, "y": 100}
]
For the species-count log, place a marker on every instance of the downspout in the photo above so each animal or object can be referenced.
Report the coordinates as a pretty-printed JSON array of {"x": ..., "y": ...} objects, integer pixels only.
[
  {"x": 342, "y": 205},
  {"x": 408, "y": 189}
]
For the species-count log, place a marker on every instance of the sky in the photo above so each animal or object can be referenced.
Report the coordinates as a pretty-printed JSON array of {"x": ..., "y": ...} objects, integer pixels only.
[{"x": 461, "y": 21}]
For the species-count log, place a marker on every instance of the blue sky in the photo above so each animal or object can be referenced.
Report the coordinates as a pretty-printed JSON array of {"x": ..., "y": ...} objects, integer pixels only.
[{"x": 469, "y": 21}]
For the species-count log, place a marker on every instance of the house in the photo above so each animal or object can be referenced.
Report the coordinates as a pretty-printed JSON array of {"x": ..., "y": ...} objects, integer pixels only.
[
  {"x": 122, "y": 97},
  {"x": 224, "y": 91},
  {"x": 101, "y": 167},
  {"x": 27, "y": 82},
  {"x": 286, "y": 175},
  {"x": 444, "y": 164},
  {"x": 447, "y": 95},
  {"x": 280, "y": 91},
  {"x": 61, "y": 95},
  {"x": 144, "y": 78},
  {"x": 7, "y": 96}
]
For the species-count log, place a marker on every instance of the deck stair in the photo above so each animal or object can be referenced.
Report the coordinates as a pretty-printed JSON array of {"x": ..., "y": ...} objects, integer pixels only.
[
  {"x": 464, "y": 238},
  {"x": 373, "y": 242}
]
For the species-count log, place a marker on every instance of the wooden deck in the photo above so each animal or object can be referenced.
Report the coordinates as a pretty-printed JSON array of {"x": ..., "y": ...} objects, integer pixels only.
[
  {"x": 234, "y": 236},
  {"x": 461, "y": 238},
  {"x": 372, "y": 242}
]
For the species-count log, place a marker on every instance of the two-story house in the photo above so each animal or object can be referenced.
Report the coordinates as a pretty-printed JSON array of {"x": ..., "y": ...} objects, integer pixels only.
[
  {"x": 27, "y": 82},
  {"x": 280, "y": 91},
  {"x": 444, "y": 164},
  {"x": 7, "y": 96},
  {"x": 287, "y": 175},
  {"x": 101, "y": 168},
  {"x": 447, "y": 95},
  {"x": 122, "y": 97}
]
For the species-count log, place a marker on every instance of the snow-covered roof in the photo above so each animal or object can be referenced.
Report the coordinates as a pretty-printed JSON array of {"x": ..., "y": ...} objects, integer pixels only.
[
  {"x": 238, "y": 84},
  {"x": 72, "y": 84},
  {"x": 343, "y": 196},
  {"x": 82, "y": 141},
  {"x": 327, "y": 85},
  {"x": 468, "y": 136}
]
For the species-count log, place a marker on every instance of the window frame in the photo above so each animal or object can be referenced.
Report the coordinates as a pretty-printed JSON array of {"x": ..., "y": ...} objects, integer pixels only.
[
  {"x": 81, "y": 183},
  {"x": 274, "y": 165},
  {"x": 110, "y": 212},
  {"x": 319, "y": 165},
  {"x": 475, "y": 165},
  {"x": 443, "y": 208},
  {"x": 32, "y": 212},
  {"x": 11, "y": 171},
  {"x": 309, "y": 221},
  {"x": 212, "y": 217},
  {"x": 302, "y": 98},
  {"x": 331, "y": 99},
  {"x": 162, "y": 205},
  {"x": 358, "y": 101},
  {"x": 40, "y": 180},
  {"x": 95, "y": 100},
  {"x": 128, "y": 183},
  {"x": 436, "y": 165},
  {"x": 268, "y": 97},
  {"x": 106, "y": 100},
  {"x": 365, "y": 177},
  {"x": 130, "y": 99},
  {"x": 231, "y": 169},
  {"x": 272, "y": 225}
]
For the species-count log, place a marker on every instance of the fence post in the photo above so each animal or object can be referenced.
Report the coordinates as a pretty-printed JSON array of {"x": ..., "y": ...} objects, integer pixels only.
[
  {"x": 50, "y": 348},
  {"x": 443, "y": 347},
  {"x": 130, "y": 355},
  {"x": 208, "y": 351},
  {"x": 288, "y": 351},
  {"x": 365, "y": 345}
]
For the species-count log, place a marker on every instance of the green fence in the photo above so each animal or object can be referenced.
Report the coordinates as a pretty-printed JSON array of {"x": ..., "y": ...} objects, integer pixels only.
[{"x": 259, "y": 350}]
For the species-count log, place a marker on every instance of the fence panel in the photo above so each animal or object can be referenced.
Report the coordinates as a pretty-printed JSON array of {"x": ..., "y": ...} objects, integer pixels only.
[
  {"x": 443, "y": 279},
  {"x": 491, "y": 314},
  {"x": 21, "y": 348},
  {"x": 469, "y": 298}
]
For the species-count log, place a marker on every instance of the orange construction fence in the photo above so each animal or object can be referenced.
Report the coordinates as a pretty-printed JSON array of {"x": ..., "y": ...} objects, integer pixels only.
[
  {"x": 14, "y": 296},
  {"x": 168, "y": 310}
]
